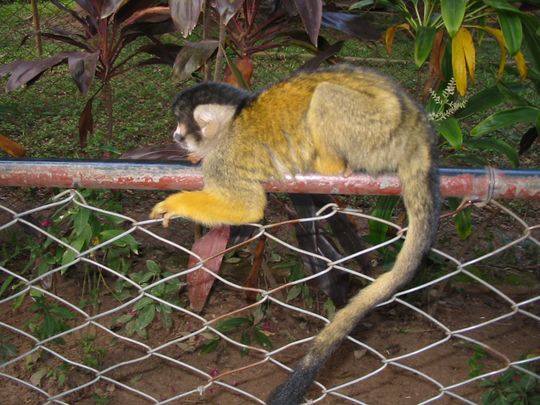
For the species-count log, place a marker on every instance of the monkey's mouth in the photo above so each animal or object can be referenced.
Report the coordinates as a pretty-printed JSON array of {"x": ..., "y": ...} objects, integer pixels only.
[{"x": 182, "y": 144}]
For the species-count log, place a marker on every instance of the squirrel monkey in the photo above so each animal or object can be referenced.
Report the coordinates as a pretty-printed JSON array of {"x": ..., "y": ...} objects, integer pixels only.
[{"x": 328, "y": 121}]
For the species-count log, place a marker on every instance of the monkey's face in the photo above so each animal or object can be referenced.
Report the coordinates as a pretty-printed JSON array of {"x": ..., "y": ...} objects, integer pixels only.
[
  {"x": 198, "y": 129},
  {"x": 187, "y": 136}
]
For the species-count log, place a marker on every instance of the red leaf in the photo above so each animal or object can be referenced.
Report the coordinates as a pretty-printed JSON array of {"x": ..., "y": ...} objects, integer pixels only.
[
  {"x": 200, "y": 282},
  {"x": 149, "y": 15},
  {"x": 12, "y": 147},
  {"x": 244, "y": 66},
  {"x": 86, "y": 122}
]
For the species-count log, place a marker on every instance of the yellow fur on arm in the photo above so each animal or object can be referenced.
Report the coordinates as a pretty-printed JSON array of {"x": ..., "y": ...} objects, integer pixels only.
[{"x": 207, "y": 208}]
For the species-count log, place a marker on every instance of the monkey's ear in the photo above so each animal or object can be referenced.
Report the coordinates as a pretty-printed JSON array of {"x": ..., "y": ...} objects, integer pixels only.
[{"x": 213, "y": 118}]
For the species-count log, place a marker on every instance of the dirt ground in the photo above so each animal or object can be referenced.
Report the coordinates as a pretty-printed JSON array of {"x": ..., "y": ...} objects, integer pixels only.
[{"x": 392, "y": 330}]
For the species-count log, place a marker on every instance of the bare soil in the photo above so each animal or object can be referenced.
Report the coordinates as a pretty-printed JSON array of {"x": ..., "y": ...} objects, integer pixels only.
[{"x": 392, "y": 330}]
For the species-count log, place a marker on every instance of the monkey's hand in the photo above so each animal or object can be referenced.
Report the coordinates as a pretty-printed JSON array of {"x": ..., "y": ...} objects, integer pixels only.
[
  {"x": 164, "y": 210},
  {"x": 209, "y": 208}
]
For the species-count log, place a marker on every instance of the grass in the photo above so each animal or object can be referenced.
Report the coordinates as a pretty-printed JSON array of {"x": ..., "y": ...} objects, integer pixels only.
[{"x": 44, "y": 117}]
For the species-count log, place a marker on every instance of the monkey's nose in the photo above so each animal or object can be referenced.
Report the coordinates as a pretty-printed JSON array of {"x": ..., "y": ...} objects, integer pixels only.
[{"x": 177, "y": 137}]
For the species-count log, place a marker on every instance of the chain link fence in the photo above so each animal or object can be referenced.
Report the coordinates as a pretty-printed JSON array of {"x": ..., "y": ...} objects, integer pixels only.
[{"x": 109, "y": 320}]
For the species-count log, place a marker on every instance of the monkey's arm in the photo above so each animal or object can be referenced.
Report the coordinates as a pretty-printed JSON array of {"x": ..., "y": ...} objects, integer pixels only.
[{"x": 212, "y": 207}]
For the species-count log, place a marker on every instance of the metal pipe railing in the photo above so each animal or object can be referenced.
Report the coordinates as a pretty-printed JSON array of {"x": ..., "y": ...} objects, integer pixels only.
[{"x": 475, "y": 184}]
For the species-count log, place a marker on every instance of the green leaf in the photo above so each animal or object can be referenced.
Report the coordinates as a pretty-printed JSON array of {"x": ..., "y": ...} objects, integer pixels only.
[
  {"x": 506, "y": 118},
  {"x": 7, "y": 282},
  {"x": 531, "y": 25},
  {"x": 501, "y": 5},
  {"x": 141, "y": 278},
  {"x": 329, "y": 308},
  {"x": 463, "y": 223},
  {"x": 294, "y": 292},
  {"x": 153, "y": 267},
  {"x": 123, "y": 318},
  {"x": 232, "y": 324},
  {"x": 68, "y": 256},
  {"x": 512, "y": 30},
  {"x": 452, "y": 12},
  {"x": 62, "y": 312},
  {"x": 512, "y": 96},
  {"x": 480, "y": 102},
  {"x": 383, "y": 209},
  {"x": 262, "y": 339},
  {"x": 146, "y": 316},
  {"x": 451, "y": 131},
  {"x": 125, "y": 241},
  {"x": 423, "y": 44},
  {"x": 361, "y": 4},
  {"x": 496, "y": 145},
  {"x": 142, "y": 303},
  {"x": 210, "y": 346},
  {"x": 80, "y": 220}
]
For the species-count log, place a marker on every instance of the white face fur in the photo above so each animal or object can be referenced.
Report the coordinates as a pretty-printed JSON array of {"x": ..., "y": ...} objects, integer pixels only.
[{"x": 213, "y": 121}]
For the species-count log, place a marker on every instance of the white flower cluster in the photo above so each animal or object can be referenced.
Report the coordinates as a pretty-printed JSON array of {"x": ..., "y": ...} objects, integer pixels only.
[{"x": 447, "y": 106}]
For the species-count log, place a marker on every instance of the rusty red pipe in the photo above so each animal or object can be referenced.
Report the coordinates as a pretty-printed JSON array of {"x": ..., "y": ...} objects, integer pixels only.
[{"x": 475, "y": 184}]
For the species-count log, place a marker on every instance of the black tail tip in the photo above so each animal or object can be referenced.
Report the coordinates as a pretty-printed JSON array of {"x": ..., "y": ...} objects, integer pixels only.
[{"x": 292, "y": 391}]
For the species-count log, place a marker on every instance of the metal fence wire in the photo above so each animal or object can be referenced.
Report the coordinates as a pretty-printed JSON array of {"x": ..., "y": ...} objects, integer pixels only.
[{"x": 451, "y": 337}]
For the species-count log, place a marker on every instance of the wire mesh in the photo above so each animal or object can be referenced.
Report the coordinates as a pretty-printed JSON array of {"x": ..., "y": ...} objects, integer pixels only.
[{"x": 443, "y": 338}]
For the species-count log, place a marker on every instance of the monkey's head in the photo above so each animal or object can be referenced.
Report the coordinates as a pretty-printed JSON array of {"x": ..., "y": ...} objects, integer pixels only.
[{"x": 204, "y": 113}]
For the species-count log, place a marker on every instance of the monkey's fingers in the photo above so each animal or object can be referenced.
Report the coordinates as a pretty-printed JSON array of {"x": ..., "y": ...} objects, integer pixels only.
[{"x": 160, "y": 211}]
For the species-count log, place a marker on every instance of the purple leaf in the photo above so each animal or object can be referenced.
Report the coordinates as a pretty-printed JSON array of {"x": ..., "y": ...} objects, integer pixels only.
[
  {"x": 83, "y": 69},
  {"x": 311, "y": 15},
  {"x": 110, "y": 7},
  {"x": 26, "y": 72},
  {"x": 73, "y": 13},
  {"x": 355, "y": 25},
  {"x": 321, "y": 56},
  {"x": 164, "y": 53},
  {"x": 185, "y": 14},
  {"x": 191, "y": 57},
  {"x": 92, "y": 7},
  {"x": 527, "y": 140},
  {"x": 66, "y": 39},
  {"x": 170, "y": 151},
  {"x": 228, "y": 8}
]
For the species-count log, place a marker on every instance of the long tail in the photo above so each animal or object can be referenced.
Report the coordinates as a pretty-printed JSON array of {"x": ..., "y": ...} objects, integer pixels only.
[{"x": 420, "y": 190}]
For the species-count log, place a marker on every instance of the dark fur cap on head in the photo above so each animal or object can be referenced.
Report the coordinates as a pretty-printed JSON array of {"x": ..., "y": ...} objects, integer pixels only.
[{"x": 210, "y": 93}]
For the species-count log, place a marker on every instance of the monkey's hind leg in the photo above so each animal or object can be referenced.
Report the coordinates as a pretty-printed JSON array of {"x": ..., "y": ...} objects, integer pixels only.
[
  {"x": 329, "y": 164},
  {"x": 209, "y": 207}
]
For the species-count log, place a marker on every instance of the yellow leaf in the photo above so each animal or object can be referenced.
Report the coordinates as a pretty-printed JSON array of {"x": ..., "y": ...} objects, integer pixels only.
[
  {"x": 469, "y": 50},
  {"x": 12, "y": 147},
  {"x": 463, "y": 58},
  {"x": 498, "y": 35},
  {"x": 390, "y": 32},
  {"x": 521, "y": 65}
]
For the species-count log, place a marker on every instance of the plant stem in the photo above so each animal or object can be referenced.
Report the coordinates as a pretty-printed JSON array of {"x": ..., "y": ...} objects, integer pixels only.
[
  {"x": 219, "y": 56},
  {"x": 206, "y": 28},
  {"x": 108, "y": 102}
]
